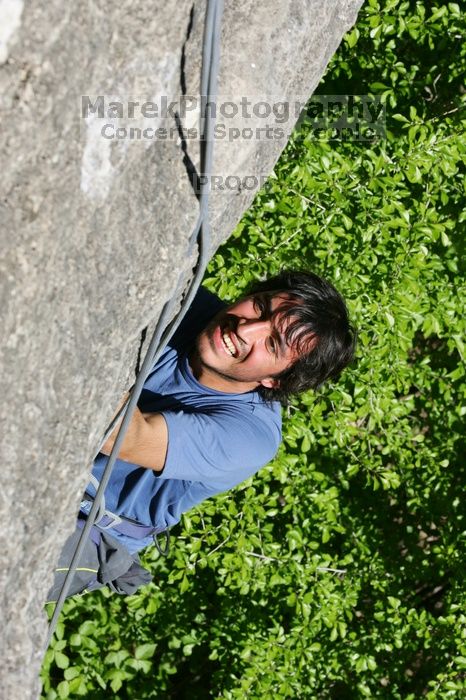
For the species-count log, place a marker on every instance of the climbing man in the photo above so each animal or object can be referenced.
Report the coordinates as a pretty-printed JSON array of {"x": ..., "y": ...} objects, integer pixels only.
[{"x": 209, "y": 416}]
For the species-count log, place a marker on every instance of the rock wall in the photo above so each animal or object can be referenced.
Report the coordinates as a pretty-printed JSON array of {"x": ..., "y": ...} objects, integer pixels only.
[{"x": 95, "y": 230}]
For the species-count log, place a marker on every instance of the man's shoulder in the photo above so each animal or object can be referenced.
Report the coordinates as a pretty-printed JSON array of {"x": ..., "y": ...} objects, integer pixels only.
[
  {"x": 250, "y": 421},
  {"x": 222, "y": 444}
]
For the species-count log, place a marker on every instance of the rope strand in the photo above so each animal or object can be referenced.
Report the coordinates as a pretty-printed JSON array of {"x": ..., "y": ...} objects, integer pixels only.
[{"x": 163, "y": 331}]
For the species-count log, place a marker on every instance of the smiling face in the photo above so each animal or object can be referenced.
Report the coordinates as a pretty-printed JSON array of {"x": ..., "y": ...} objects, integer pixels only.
[{"x": 244, "y": 345}]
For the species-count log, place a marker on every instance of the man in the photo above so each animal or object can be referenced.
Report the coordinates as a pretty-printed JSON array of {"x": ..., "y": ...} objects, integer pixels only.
[{"x": 209, "y": 415}]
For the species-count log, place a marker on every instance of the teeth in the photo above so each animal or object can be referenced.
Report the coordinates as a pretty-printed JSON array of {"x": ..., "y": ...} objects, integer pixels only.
[{"x": 229, "y": 345}]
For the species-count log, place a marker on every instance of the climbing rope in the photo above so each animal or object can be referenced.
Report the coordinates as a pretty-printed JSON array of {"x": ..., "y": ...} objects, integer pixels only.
[{"x": 164, "y": 330}]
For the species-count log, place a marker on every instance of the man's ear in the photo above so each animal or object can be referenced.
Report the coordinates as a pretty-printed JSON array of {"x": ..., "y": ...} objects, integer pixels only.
[{"x": 270, "y": 383}]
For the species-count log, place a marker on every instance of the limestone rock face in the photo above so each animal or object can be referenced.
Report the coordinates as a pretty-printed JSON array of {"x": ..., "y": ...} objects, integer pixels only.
[{"x": 95, "y": 231}]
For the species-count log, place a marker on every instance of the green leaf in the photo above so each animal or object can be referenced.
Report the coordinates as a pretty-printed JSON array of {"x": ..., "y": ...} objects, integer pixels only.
[
  {"x": 184, "y": 585},
  {"x": 71, "y": 672},
  {"x": 87, "y": 628},
  {"x": 145, "y": 651},
  {"x": 63, "y": 689},
  {"x": 116, "y": 684},
  {"x": 352, "y": 37},
  {"x": 378, "y": 86},
  {"x": 61, "y": 659}
]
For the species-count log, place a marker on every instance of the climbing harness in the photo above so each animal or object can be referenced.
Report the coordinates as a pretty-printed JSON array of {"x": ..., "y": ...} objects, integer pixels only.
[
  {"x": 164, "y": 329},
  {"x": 106, "y": 520}
]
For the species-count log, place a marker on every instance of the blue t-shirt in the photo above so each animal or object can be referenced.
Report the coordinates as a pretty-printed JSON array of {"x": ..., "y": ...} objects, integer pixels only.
[{"x": 215, "y": 440}]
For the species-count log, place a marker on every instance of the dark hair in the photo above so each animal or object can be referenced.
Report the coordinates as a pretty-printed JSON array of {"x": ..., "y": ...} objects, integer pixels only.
[{"x": 321, "y": 317}]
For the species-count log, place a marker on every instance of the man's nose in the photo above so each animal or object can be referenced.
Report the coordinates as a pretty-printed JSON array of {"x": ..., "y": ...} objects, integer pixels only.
[{"x": 253, "y": 329}]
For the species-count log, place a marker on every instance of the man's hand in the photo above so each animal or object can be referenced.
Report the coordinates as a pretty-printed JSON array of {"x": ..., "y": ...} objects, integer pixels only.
[{"x": 145, "y": 442}]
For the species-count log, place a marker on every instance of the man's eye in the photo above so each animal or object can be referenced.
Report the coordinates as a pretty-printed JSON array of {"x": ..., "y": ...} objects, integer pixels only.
[{"x": 271, "y": 346}]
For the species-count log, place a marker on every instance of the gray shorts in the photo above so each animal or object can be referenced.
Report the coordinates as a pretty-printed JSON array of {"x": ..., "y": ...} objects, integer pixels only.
[{"x": 107, "y": 563}]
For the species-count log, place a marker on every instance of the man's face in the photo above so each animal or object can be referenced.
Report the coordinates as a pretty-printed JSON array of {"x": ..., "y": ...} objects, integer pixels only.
[{"x": 244, "y": 345}]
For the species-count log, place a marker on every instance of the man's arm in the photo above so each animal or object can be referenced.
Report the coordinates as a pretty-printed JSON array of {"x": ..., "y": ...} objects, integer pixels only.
[{"x": 145, "y": 442}]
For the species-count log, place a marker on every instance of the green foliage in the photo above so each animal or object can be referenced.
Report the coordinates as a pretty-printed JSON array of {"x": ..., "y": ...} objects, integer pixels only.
[{"x": 338, "y": 571}]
